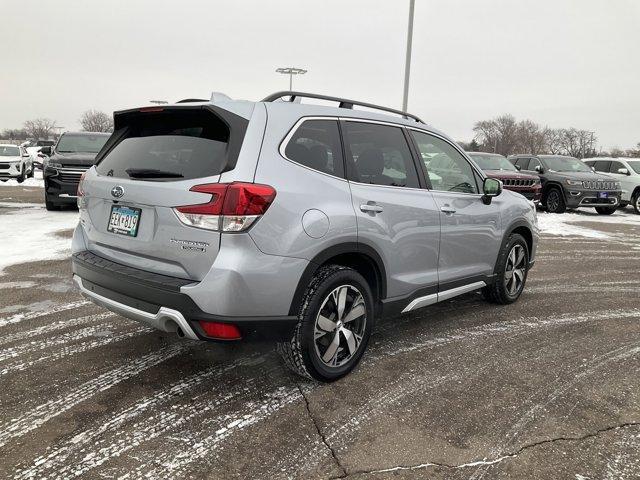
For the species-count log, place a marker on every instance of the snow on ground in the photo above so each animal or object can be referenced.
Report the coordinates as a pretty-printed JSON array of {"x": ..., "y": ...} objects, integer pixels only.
[
  {"x": 36, "y": 181},
  {"x": 27, "y": 233},
  {"x": 565, "y": 224}
]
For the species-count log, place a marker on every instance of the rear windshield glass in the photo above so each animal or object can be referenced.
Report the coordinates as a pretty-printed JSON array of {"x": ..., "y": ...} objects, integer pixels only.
[
  {"x": 81, "y": 143},
  {"x": 169, "y": 146}
]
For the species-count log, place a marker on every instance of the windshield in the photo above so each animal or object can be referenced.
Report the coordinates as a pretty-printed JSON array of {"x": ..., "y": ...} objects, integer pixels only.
[
  {"x": 81, "y": 143},
  {"x": 635, "y": 165},
  {"x": 493, "y": 162},
  {"x": 9, "y": 151},
  {"x": 566, "y": 164}
]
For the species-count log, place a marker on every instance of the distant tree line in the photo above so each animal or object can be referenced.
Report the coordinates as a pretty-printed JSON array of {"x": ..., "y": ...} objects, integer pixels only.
[
  {"x": 506, "y": 136},
  {"x": 45, "y": 128}
]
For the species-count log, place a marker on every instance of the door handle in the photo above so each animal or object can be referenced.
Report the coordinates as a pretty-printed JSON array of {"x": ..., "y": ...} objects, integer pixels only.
[
  {"x": 368, "y": 208},
  {"x": 448, "y": 210}
]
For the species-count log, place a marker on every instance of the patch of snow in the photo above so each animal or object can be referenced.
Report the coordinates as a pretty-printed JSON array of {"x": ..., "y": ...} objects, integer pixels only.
[
  {"x": 28, "y": 233},
  {"x": 625, "y": 216},
  {"x": 559, "y": 224},
  {"x": 8, "y": 285},
  {"x": 36, "y": 181}
]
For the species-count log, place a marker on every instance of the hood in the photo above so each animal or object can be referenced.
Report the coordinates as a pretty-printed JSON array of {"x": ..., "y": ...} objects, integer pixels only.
[
  {"x": 17, "y": 158},
  {"x": 74, "y": 159},
  {"x": 500, "y": 174}
]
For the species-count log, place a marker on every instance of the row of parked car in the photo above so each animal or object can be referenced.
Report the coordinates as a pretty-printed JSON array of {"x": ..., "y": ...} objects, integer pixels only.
[{"x": 559, "y": 182}]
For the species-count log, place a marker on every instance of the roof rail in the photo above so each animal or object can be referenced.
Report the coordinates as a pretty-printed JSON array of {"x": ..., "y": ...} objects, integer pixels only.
[{"x": 343, "y": 102}]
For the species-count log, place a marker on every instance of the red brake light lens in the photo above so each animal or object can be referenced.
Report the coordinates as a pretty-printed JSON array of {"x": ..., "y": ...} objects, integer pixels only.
[
  {"x": 233, "y": 207},
  {"x": 248, "y": 199},
  {"x": 221, "y": 331}
]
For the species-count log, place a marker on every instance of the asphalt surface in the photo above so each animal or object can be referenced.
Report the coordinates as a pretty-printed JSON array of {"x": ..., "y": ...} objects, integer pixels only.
[{"x": 546, "y": 388}]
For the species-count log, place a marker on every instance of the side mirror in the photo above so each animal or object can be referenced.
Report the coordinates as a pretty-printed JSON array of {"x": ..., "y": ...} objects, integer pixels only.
[
  {"x": 518, "y": 167},
  {"x": 539, "y": 169},
  {"x": 46, "y": 150},
  {"x": 623, "y": 171},
  {"x": 491, "y": 187}
]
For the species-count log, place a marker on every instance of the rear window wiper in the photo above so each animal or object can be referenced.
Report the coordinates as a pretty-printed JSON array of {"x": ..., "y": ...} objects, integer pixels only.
[{"x": 151, "y": 173}]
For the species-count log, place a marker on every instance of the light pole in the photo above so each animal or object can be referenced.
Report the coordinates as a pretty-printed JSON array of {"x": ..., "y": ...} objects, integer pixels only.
[
  {"x": 407, "y": 62},
  {"x": 291, "y": 71}
]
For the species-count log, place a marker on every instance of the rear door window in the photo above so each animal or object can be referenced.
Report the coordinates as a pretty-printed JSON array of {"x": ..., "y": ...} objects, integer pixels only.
[
  {"x": 316, "y": 144},
  {"x": 379, "y": 155},
  {"x": 523, "y": 163},
  {"x": 602, "y": 166},
  {"x": 172, "y": 145}
]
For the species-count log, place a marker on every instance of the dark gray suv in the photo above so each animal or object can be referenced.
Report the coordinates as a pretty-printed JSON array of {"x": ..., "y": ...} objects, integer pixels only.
[{"x": 570, "y": 183}]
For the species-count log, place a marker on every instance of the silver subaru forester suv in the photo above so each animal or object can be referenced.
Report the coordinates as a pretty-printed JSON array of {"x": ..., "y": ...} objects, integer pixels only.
[{"x": 222, "y": 220}]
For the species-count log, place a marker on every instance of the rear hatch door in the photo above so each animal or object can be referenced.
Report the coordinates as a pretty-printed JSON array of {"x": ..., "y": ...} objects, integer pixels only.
[{"x": 147, "y": 168}]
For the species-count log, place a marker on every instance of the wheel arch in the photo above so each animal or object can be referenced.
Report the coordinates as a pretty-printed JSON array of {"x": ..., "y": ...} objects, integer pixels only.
[
  {"x": 362, "y": 258},
  {"x": 520, "y": 227},
  {"x": 548, "y": 186}
]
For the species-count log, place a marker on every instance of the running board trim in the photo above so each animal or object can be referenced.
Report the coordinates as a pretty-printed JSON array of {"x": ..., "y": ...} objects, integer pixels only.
[{"x": 441, "y": 296}]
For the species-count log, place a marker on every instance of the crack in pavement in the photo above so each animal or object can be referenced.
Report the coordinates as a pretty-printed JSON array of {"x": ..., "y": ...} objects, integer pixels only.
[
  {"x": 321, "y": 435},
  {"x": 485, "y": 462}
]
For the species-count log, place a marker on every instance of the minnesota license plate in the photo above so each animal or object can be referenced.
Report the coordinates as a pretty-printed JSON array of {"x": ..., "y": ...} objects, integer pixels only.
[
  {"x": 603, "y": 194},
  {"x": 124, "y": 220}
]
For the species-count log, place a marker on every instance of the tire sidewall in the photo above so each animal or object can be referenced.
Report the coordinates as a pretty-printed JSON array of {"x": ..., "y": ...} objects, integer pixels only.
[
  {"x": 555, "y": 191},
  {"x": 315, "y": 367},
  {"x": 514, "y": 240}
]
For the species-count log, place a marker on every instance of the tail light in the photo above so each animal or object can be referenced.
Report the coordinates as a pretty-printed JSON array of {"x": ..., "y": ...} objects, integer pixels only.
[
  {"x": 80, "y": 192},
  {"x": 221, "y": 331},
  {"x": 233, "y": 207}
]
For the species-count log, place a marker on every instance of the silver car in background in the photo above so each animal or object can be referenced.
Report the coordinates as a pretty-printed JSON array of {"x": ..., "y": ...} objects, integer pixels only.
[{"x": 221, "y": 220}]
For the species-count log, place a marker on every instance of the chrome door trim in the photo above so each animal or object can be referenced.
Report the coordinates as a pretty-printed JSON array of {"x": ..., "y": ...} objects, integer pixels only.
[{"x": 441, "y": 296}]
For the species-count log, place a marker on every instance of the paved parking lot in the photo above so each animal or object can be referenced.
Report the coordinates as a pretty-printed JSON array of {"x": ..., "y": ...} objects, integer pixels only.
[{"x": 546, "y": 388}]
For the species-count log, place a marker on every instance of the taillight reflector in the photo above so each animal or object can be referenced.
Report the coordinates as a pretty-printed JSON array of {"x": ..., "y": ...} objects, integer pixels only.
[{"x": 221, "y": 331}]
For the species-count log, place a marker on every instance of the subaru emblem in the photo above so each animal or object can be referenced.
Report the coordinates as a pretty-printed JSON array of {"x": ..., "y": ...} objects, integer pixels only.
[{"x": 117, "y": 191}]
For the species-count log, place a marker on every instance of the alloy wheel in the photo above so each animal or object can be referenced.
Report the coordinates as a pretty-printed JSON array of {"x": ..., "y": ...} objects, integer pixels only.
[
  {"x": 553, "y": 201},
  {"x": 515, "y": 270},
  {"x": 340, "y": 326}
]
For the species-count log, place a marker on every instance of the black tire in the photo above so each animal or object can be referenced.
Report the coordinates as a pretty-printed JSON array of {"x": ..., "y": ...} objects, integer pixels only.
[
  {"x": 300, "y": 353},
  {"x": 606, "y": 210},
  {"x": 22, "y": 176},
  {"x": 554, "y": 201},
  {"x": 635, "y": 202},
  {"x": 500, "y": 291}
]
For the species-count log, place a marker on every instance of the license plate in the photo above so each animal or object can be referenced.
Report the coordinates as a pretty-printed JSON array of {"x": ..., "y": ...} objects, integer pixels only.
[
  {"x": 603, "y": 194},
  {"x": 124, "y": 220}
]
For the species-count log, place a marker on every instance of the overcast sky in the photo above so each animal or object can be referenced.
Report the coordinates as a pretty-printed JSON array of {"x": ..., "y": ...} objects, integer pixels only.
[{"x": 561, "y": 63}]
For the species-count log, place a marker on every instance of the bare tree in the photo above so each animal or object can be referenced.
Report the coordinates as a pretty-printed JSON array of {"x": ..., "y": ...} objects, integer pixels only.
[
  {"x": 14, "y": 134},
  {"x": 499, "y": 135},
  {"x": 96, "y": 121},
  {"x": 531, "y": 138},
  {"x": 40, "y": 128}
]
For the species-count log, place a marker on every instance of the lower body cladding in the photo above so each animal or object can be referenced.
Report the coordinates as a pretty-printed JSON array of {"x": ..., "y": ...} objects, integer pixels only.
[
  {"x": 225, "y": 305},
  {"x": 590, "y": 198}
]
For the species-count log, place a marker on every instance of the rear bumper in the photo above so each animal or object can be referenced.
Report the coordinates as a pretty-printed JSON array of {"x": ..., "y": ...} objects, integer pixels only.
[{"x": 156, "y": 300}]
